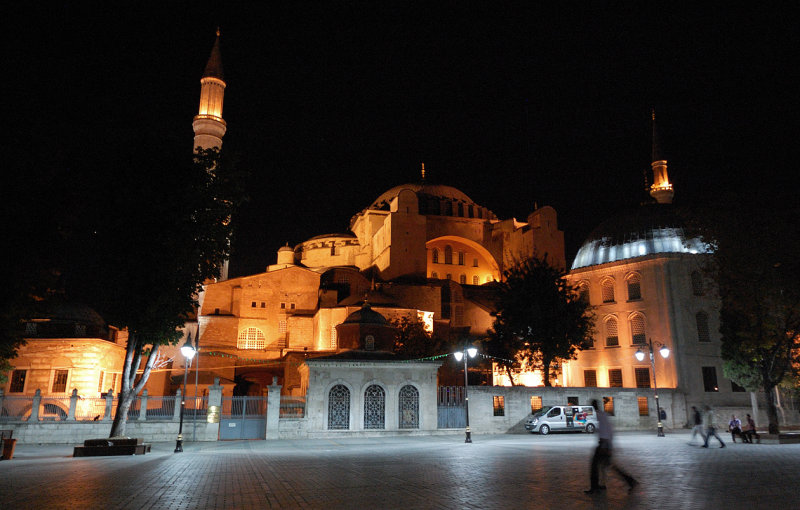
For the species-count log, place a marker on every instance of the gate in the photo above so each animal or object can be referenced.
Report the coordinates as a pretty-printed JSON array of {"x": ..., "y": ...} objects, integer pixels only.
[
  {"x": 243, "y": 418},
  {"x": 452, "y": 413}
]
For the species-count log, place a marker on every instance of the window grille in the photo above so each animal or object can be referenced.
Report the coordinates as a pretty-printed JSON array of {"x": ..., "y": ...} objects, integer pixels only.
[
  {"x": 642, "y": 377},
  {"x": 18, "y": 381},
  {"x": 374, "y": 407},
  {"x": 461, "y": 258},
  {"x": 615, "y": 377},
  {"x": 702, "y": 327},
  {"x": 251, "y": 338},
  {"x": 612, "y": 332},
  {"x": 637, "y": 330},
  {"x": 474, "y": 280},
  {"x": 448, "y": 255},
  {"x": 339, "y": 408},
  {"x": 644, "y": 409},
  {"x": 634, "y": 287},
  {"x": 409, "y": 407},
  {"x": 590, "y": 378},
  {"x": 608, "y": 405},
  {"x": 60, "y": 381},
  {"x": 608, "y": 290},
  {"x": 282, "y": 326},
  {"x": 462, "y": 279},
  {"x": 369, "y": 343},
  {"x": 499, "y": 404},
  {"x": 536, "y": 404},
  {"x": 435, "y": 256},
  {"x": 30, "y": 328},
  {"x": 697, "y": 284},
  {"x": 333, "y": 337}
]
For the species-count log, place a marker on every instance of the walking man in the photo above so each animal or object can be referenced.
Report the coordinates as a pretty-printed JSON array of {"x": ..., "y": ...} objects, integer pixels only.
[
  {"x": 602, "y": 454},
  {"x": 711, "y": 429},
  {"x": 698, "y": 425}
]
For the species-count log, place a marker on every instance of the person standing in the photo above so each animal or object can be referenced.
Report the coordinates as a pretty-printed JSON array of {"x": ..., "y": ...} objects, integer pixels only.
[
  {"x": 698, "y": 425},
  {"x": 601, "y": 459},
  {"x": 711, "y": 429}
]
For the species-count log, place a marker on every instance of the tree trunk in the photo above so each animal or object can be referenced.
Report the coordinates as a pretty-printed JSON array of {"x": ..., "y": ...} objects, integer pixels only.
[
  {"x": 121, "y": 418},
  {"x": 772, "y": 410},
  {"x": 131, "y": 387}
]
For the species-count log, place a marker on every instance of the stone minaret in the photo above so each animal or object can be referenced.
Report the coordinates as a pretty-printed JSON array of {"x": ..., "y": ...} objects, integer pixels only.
[
  {"x": 661, "y": 189},
  {"x": 209, "y": 128}
]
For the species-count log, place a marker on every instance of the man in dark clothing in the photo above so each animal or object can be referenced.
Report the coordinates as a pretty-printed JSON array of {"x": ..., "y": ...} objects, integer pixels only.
[
  {"x": 602, "y": 454},
  {"x": 698, "y": 425}
]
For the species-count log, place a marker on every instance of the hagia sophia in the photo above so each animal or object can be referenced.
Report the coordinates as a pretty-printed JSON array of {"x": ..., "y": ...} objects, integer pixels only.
[{"x": 426, "y": 252}]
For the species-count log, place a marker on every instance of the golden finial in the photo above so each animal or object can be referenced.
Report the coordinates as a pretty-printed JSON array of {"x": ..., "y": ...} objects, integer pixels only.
[
  {"x": 653, "y": 113},
  {"x": 217, "y": 31},
  {"x": 423, "y": 171}
]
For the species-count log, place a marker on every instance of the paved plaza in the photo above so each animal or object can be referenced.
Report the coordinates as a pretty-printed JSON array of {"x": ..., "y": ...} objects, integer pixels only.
[{"x": 502, "y": 471}]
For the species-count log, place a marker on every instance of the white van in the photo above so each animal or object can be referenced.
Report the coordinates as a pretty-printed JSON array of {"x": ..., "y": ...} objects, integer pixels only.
[{"x": 562, "y": 418}]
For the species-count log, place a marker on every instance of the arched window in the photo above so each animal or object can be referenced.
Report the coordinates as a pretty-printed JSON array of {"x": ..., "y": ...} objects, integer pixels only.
[
  {"x": 448, "y": 254},
  {"x": 435, "y": 256},
  {"x": 435, "y": 275},
  {"x": 408, "y": 407},
  {"x": 638, "y": 330},
  {"x": 608, "y": 290},
  {"x": 583, "y": 292},
  {"x": 697, "y": 283},
  {"x": 251, "y": 338},
  {"x": 339, "y": 408},
  {"x": 634, "y": 287},
  {"x": 462, "y": 279},
  {"x": 374, "y": 407},
  {"x": 474, "y": 280},
  {"x": 369, "y": 343},
  {"x": 702, "y": 326},
  {"x": 461, "y": 260},
  {"x": 449, "y": 276},
  {"x": 612, "y": 332}
]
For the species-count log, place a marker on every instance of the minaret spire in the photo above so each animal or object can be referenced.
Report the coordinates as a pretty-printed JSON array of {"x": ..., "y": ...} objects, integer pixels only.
[
  {"x": 208, "y": 125},
  {"x": 661, "y": 189}
]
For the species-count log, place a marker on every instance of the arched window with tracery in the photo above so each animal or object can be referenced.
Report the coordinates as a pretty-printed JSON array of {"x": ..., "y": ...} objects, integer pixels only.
[
  {"x": 251, "y": 338},
  {"x": 339, "y": 408},
  {"x": 374, "y": 407},
  {"x": 607, "y": 287},
  {"x": 408, "y": 407},
  {"x": 638, "y": 331},
  {"x": 634, "y": 287},
  {"x": 612, "y": 332},
  {"x": 702, "y": 327}
]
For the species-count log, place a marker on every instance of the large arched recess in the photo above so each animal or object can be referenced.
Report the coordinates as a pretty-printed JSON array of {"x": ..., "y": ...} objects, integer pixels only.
[{"x": 486, "y": 270}]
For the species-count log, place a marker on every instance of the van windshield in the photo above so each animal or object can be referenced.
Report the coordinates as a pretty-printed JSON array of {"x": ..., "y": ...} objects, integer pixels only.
[{"x": 542, "y": 411}]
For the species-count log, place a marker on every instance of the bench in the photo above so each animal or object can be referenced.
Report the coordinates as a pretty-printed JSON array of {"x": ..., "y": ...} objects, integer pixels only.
[{"x": 111, "y": 446}]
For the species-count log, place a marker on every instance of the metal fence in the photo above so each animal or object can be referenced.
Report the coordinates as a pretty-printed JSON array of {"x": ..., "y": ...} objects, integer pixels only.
[
  {"x": 292, "y": 408},
  {"x": 19, "y": 408}
]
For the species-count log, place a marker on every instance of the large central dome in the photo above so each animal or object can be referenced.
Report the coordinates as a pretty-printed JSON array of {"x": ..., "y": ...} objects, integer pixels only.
[
  {"x": 649, "y": 229},
  {"x": 432, "y": 190}
]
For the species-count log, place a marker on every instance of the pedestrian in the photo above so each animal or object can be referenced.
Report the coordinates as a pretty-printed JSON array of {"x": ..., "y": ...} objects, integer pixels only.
[
  {"x": 698, "y": 425},
  {"x": 711, "y": 429},
  {"x": 735, "y": 428},
  {"x": 749, "y": 431},
  {"x": 601, "y": 459}
]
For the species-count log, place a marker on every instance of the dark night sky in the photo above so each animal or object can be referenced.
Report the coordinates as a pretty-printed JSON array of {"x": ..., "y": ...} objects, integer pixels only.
[{"x": 330, "y": 104}]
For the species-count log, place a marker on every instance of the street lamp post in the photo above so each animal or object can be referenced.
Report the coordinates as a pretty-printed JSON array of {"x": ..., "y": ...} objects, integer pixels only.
[
  {"x": 188, "y": 353},
  {"x": 664, "y": 351},
  {"x": 459, "y": 355}
]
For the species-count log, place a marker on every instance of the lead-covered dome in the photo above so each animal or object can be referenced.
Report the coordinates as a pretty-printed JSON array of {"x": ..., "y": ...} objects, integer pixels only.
[
  {"x": 649, "y": 229},
  {"x": 432, "y": 190}
]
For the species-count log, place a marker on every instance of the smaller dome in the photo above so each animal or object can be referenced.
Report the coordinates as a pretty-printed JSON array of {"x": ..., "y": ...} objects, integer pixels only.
[{"x": 366, "y": 315}]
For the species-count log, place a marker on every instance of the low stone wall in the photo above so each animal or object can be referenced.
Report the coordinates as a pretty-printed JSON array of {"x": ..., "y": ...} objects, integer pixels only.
[{"x": 76, "y": 432}]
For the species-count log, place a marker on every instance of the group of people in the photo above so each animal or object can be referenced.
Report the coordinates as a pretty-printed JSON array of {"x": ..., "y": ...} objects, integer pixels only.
[{"x": 705, "y": 426}]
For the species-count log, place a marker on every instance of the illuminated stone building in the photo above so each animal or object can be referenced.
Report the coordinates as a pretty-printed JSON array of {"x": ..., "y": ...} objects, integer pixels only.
[{"x": 643, "y": 274}]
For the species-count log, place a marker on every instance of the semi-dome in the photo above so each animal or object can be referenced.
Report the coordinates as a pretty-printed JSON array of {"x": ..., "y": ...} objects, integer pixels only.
[
  {"x": 649, "y": 229},
  {"x": 366, "y": 315},
  {"x": 432, "y": 190}
]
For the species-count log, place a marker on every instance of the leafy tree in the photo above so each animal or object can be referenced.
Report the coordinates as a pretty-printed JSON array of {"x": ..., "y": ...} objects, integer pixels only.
[
  {"x": 143, "y": 253},
  {"x": 757, "y": 272},
  {"x": 414, "y": 341},
  {"x": 539, "y": 320}
]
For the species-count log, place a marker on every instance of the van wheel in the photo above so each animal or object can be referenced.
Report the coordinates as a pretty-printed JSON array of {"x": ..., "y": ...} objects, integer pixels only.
[
  {"x": 590, "y": 428},
  {"x": 544, "y": 430}
]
